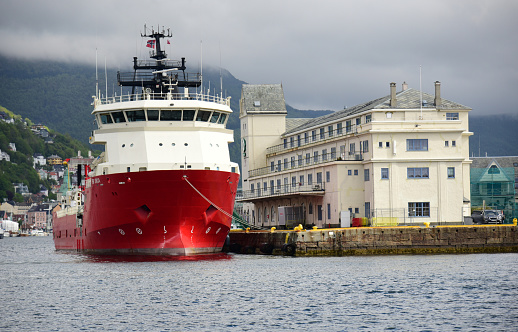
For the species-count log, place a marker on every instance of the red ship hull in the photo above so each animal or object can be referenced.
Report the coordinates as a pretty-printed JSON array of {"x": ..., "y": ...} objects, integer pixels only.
[{"x": 173, "y": 212}]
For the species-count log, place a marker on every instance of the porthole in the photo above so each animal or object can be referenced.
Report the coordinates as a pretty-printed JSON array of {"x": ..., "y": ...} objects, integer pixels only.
[
  {"x": 131, "y": 145},
  {"x": 123, "y": 145},
  {"x": 160, "y": 144},
  {"x": 185, "y": 144},
  {"x": 173, "y": 144}
]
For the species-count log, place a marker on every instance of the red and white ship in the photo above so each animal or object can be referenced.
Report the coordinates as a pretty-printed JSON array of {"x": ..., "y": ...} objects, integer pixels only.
[{"x": 165, "y": 183}]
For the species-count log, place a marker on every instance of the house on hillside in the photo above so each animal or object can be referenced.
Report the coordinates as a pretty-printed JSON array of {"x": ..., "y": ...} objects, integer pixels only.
[
  {"x": 54, "y": 160},
  {"x": 5, "y": 156},
  {"x": 38, "y": 159},
  {"x": 398, "y": 159}
]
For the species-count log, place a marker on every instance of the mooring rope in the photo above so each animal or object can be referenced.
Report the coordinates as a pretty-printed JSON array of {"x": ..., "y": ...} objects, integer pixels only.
[{"x": 217, "y": 207}]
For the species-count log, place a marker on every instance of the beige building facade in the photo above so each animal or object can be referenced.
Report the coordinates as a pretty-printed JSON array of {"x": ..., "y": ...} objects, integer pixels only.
[{"x": 399, "y": 159}]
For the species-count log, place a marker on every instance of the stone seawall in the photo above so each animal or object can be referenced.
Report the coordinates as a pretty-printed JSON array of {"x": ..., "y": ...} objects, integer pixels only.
[{"x": 377, "y": 240}]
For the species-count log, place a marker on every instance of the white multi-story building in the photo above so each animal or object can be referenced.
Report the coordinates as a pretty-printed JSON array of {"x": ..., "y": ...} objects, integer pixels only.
[{"x": 398, "y": 159}]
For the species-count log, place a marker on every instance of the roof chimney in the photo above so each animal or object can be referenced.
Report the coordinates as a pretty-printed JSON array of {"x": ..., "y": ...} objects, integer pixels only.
[
  {"x": 405, "y": 86},
  {"x": 437, "y": 100},
  {"x": 393, "y": 102}
]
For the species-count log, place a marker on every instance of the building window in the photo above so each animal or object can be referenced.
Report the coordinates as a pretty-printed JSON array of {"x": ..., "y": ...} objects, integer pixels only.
[
  {"x": 387, "y": 144},
  {"x": 328, "y": 176},
  {"x": 446, "y": 144},
  {"x": 324, "y": 154},
  {"x": 365, "y": 146},
  {"x": 314, "y": 135},
  {"x": 319, "y": 211},
  {"x": 271, "y": 187},
  {"x": 328, "y": 211},
  {"x": 417, "y": 173},
  {"x": 366, "y": 175},
  {"x": 285, "y": 143},
  {"x": 300, "y": 160},
  {"x": 358, "y": 121},
  {"x": 285, "y": 163},
  {"x": 452, "y": 116},
  {"x": 310, "y": 179},
  {"x": 319, "y": 177},
  {"x": 493, "y": 170},
  {"x": 322, "y": 133},
  {"x": 310, "y": 208},
  {"x": 264, "y": 187},
  {"x": 272, "y": 166},
  {"x": 293, "y": 181},
  {"x": 417, "y": 144},
  {"x": 330, "y": 130},
  {"x": 292, "y": 139},
  {"x": 352, "y": 148},
  {"x": 349, "y": 172},
  {"x": 306, "y": 138},
  {"x": 252, "y": 188},
  {"x": 355, "y": 172},
  {"x": 368, "y": 118},
  {"x": 315, "y": 156},
  {"x": 292, "y": 162},
  {"x": 451, "y": 172},
  {"x": 339, "y": 128},
  {"x": 453, "y": 143},
  {"x": 285, "y": 184},
  {"x": 348, "y": 126},
  {"x": 342, "y": 151},
  {"x": 279, "y": 185},
  {"x": 380, "y": 144},
  {"x": 308, "y": 158},
  {"x": 301, "y": 180},
  {"x": 384, "y": 173},
  {"x": 419, "y": 209},
  {"x": 356, "y": 210},
  {"x": 333, "y": 153},
  {"x": 298, "y": 140}
]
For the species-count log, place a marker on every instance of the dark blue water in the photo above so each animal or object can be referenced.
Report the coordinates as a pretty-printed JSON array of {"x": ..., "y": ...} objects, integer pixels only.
[{"x": 45, "y": 290}]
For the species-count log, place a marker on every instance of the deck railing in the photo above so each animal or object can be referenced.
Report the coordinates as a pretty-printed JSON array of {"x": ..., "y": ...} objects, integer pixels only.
[
  {"x": 164, "y": 96},
  {"x": 287, "y": 189}
]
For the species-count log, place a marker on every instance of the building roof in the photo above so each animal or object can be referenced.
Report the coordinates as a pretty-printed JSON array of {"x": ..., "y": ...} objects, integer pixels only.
[
  {"x": 407, "y": 99},
  {"x": 264, "y": 98},
  {"x": 484, "y": 162}
]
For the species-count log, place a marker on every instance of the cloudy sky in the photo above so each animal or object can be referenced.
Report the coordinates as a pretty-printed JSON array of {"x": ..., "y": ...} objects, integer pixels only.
[{"x": 327, "y": 54}]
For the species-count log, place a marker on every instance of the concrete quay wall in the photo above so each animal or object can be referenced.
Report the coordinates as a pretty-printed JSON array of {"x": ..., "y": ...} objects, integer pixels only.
[{"x": 377, "y": 240}]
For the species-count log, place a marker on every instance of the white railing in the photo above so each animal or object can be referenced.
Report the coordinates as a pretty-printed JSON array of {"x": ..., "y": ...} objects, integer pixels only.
[{"x": 163, "y": 96}]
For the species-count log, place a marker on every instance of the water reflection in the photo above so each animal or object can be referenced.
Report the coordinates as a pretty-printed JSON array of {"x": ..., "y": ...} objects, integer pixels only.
[{"x": 96, "y": 258}]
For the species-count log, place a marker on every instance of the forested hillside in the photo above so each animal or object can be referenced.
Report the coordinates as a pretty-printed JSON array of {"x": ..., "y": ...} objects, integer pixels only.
[{"x": 19, "y": 169}]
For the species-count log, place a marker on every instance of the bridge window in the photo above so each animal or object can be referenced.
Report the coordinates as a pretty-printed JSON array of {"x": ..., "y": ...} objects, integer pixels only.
[
  {"x": 118, "y": 117},
  {"x": 106, "y": 118},
  {"x": 188, "y": 115},
  {"x": 203, "y": 116},
  {"x": 222, "y": 118},
  {"x": 152, "y": 115},
  {"x": 170, "y": 115},
  {"x": 134, "y": 116},
  {"x": 214, "y": 117}
]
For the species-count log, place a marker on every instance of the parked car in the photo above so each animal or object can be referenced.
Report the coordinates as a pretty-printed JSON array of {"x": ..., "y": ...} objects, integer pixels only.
[{"x": 487, "y": 217}]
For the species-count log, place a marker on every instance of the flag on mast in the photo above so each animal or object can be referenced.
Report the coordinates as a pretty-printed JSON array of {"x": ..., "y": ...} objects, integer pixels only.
[{"x": 151, "y": 43}]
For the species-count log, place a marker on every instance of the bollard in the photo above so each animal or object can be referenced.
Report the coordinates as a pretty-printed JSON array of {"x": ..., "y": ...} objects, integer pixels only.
[
  {"x": 426, "y": 224},
  {"x": 272, "y": 230}
]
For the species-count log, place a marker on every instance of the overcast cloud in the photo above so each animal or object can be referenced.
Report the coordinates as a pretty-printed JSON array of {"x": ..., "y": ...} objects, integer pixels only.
[{"x": 327, "y": 54}]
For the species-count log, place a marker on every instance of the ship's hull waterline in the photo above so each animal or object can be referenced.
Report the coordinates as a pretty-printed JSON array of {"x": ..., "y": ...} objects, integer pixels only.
[{"x": 171, "y": 212}]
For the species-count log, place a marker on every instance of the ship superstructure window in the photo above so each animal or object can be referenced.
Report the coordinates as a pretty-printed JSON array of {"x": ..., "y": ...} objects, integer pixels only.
[
  {"x": 118, "y": 117},
  {"x": 203, "y": 116},
  {"x": 214, "y": 117},
  {"x": 171, "y": 115},
  {"x": 222, "y": 118},
  {"x": 134, "y": 116},
  {"x": 152, "y": 115},
  {"x": 417, "y": 144},
  {"x": 106, "y": 118},
  {"x": 188, "y": 115}
]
